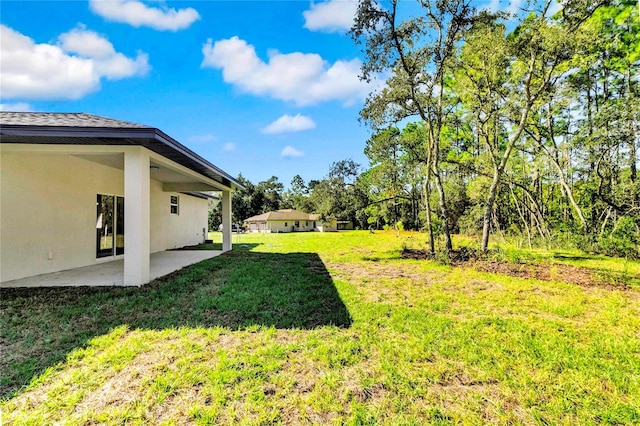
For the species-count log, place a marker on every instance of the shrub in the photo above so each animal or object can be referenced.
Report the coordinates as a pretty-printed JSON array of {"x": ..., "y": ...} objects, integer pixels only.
[{"x": 623, "y": 241}]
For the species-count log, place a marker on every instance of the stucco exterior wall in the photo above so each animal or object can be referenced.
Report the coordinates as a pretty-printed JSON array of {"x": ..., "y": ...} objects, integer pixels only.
[
  {"x": 279, "y": 226},
  {"x": 170, "y": 230},
  {"x": 327, "y": 227},
  {"x": 48, "y": 213},
  {"x": 305, "y": 225},
  {"x": 255, "y": 226}
]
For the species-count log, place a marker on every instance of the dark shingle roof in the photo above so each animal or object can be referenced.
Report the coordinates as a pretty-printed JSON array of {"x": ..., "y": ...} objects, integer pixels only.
[
  {"x": 287, "y": 214},
  {"x": 58, "y": 119}
]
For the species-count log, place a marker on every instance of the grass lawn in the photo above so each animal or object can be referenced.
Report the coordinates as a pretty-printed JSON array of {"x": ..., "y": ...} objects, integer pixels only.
[{"x": 334, "y": 328}]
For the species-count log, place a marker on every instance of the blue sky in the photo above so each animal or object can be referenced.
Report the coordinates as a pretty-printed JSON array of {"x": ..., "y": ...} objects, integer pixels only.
[{"x": 260, "y": 88}]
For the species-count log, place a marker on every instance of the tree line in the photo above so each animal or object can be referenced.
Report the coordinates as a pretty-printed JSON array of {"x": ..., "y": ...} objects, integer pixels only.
[
  {"x": 487, "y": 122},
  {"x": 339, "y": 195}
]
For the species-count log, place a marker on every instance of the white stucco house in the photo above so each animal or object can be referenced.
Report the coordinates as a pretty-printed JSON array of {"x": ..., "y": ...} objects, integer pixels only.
[
  {"x": 288, "y": 220},
  {"x": 79, "y": 189}
]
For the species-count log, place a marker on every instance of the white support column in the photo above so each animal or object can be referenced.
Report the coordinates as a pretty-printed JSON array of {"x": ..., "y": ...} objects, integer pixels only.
[
  {"x": 226, "y": 220},
  {"x": 136, "y": 216}
]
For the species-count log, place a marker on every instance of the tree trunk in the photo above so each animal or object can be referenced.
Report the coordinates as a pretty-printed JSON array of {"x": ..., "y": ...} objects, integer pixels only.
[
  {"x": 522, "y": 218},
  {"x": 535, "y": 211},
  {"x": 444, "y": 212},
  {"x": 572, "y": 200},
  {"x": 553, "y": 157},
  {"x": 604, "y": 222},
  {"x": 499, "y": 169},
  {"x": 427, "y": 206},
  {"x": 427, "y": 203},
  {"x": 491, "y": 199},
  {"x": 632, "y": 135},
  {"x": 592, "y": 164}
]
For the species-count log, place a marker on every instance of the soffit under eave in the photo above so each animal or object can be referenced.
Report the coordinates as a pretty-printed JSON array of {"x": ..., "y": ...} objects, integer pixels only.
[{"x": 185, "y": 159}]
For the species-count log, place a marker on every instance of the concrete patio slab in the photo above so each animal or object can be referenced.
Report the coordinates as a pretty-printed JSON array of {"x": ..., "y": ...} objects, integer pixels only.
[{"x": 112, "y": 273}]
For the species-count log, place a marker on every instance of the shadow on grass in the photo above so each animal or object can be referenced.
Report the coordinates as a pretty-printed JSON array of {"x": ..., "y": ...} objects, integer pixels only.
[{"x": 40, "y": 326}]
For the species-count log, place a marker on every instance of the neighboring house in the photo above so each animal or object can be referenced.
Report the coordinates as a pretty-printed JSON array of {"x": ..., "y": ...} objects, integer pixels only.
[
  {"x": 288, "y": 220},
  {"x": 78, "y": 189}
]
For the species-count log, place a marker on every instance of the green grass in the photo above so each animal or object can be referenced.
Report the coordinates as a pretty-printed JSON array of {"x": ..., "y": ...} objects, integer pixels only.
[{"x": 332, "y": 328}]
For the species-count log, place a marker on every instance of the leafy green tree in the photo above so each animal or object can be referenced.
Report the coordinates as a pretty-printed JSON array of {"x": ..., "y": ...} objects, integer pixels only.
[
  {"x": 340, "y": 195},
  {"x": 417, "y": 52},
  {"x": 214, "y": 215},
  {"x": 241, "y": 200},
  {"x": 605, "y": 132},
  {"x": 508, "y": 78},
  {"x": 384, "y": 150},
  {"x": 396, "y": 177},
  {"x": 298, "y": 196},
  {"x": 269, "y": 193},
  {"x": 298, "y": 186},
  {"x": 253, "y": 199}
]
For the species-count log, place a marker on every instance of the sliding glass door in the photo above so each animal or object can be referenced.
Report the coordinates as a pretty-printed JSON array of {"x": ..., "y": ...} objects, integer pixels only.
[{"x": 109, "y": 225}]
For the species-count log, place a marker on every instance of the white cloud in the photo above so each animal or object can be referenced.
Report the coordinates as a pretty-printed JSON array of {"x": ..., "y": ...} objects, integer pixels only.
[
  {"x": 68, "y": 70},
  {"x": 86, "y": 43},
  {"x": 555, "y": 7},
  {"x": 288, "y": 123},
  {"x": 229, "y": 147},
  {"x": 331, "y": 16},
  {"x": 510, "y": 6},
  {"x": 304, "y": 78},
  {"x": 16, "y": 107},
  {"x": 493, "y": 6},
  {"x": 202, "y": 138},
  {"x": 137, "y": 14},
  {"x": 291, "y": 152},
  {"x": 514, "y": 6}
]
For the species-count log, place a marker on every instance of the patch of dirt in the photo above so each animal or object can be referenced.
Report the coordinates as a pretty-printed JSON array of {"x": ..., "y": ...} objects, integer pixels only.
[
  {"x": 365, "y": 394},
  {"x": 550, "y": 272},
  {"x": 464, "y": 254},
  {"x": 174, "y": 409},
  {"x": 125, "y": 386},
  {"x": 469, "y": 258},
  {"x": 376, "y": 270},
  {"x": 487, "y": 399},
  {"x": 462, "y": 379},
  {"x": 416, "y": 254}
]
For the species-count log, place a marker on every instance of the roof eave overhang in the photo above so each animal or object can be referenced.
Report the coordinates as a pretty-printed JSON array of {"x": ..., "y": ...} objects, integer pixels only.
[
  {"x": 150, "y": 138},
  {"x": 201, "y": 195}
]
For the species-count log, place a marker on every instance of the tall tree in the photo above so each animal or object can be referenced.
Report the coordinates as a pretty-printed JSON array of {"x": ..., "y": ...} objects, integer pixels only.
[
  {"x": 298, "y": 195},
  {"x": 242, "y": 206},
  {"x": 397, "y": 175},
  {"x": 417, "y": 52},
  {"x": 384, "y": 152},
  {"x": 510, "y": 77},
  {"x": 340, "y": 195},
  {"x": 269, "y": 193}
]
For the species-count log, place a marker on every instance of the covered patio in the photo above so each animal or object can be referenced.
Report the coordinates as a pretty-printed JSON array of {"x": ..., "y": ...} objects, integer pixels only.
[
  {"x": 89, "y": 200},
  {"x": 111, "y": 273}
]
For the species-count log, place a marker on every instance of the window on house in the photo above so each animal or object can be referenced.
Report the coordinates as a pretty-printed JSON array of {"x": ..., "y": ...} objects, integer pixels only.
[
  {"x": 297, "y": 223},
  {"x": 306, "y": 223},
  {"x": 175, "y": 206},
  {"x": 285, "y": 224}
]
